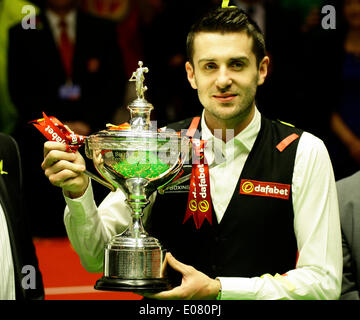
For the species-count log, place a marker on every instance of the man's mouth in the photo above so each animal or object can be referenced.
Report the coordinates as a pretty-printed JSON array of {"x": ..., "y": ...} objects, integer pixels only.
[{"x": 225, "y": 97}]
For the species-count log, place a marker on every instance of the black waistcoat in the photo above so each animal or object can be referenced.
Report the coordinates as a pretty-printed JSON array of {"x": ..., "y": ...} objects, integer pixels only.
[{"x": 256, "y": 234}]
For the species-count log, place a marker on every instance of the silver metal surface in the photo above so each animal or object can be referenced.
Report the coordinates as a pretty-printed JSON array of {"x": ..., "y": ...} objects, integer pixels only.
[
  {"x": 139, "y": 161},
  {"x": 99, "y": 180},
  {"x": 139, "y": 78},
  {"x": 129, "y": 258}
]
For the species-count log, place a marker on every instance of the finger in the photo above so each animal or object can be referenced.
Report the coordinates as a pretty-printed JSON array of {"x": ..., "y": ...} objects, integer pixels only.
[
  {"x": 177, "y": 265},
  {"x": 63, "y": 165},
  {"x": 173, "y": 294},
  {"x": 51, "y": 145},
  {"x": 60, "y": 178},
  {"x": 74, "y": 183},
  {"x": 54, "y": 156}
]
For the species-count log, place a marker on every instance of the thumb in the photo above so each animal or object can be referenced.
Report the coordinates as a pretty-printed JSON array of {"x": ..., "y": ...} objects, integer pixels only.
[{"x": 176, "y": 264}]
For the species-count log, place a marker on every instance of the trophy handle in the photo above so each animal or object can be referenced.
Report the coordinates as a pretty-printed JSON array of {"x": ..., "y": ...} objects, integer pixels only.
[
  {"x": 93, "y": 176},
  {"x": 99, "y": 180}
]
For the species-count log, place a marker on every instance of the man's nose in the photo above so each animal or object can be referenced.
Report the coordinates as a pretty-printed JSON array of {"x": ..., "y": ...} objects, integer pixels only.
[{"x": 223, "y": 80}]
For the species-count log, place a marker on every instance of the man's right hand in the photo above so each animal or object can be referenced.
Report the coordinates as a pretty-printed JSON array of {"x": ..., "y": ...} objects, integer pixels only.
[{"x": 65, "y": 169}]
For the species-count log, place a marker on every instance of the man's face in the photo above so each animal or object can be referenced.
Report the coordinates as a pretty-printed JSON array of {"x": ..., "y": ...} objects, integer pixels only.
[{"x": 225, "y": 74}]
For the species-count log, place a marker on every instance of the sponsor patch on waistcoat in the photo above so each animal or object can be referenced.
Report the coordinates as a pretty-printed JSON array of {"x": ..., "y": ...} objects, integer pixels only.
[{"x": 265, "y": 189}]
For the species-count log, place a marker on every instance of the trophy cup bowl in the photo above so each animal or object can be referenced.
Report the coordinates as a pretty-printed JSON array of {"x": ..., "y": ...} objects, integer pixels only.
[{"x": 138, "y": 162}]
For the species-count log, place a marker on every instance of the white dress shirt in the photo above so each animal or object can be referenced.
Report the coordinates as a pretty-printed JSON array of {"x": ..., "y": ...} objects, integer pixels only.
[
  {"x": 7, "y": 276},
  {"x": 234, "y": 154},
  {"x": 316, "y": 221}
]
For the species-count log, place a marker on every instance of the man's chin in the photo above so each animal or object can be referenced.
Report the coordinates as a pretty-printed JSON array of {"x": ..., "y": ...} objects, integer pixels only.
[{"x": 227, "y": 113}]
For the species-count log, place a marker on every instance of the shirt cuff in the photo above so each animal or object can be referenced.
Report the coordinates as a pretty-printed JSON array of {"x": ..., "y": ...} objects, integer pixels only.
[
  {"x": 82, "y": 207},
  {"x": 237, "y": 288}
]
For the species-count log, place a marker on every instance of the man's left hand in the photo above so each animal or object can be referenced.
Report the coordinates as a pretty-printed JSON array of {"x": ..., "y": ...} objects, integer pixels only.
[{"x": 195, "y": 285}]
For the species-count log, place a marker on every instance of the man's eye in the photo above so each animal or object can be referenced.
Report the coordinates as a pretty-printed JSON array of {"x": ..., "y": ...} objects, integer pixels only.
[
  {"x": 237, "y": 65},
  {"x": 210, "y": 66}
]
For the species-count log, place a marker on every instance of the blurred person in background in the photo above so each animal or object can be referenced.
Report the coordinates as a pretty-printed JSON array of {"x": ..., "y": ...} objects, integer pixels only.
[
  {"x": 132, "y": 18},
  {"x": 345, "y": 118},
  {"x": 71, "y": 67},
  {"x": 349, "y": 204},
  {"x": 301, "y": 102},
  {"x": 165, "y": 56},
  {"x": 327, "y": 96}
]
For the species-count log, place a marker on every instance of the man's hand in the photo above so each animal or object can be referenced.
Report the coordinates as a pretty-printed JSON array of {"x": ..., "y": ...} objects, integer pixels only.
[
  {"x": 65, "y": 169},
  {"x": 195, "y": 285}
]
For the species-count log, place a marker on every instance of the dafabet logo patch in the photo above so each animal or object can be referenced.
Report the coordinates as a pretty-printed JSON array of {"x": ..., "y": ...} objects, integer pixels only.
[{"x": 265, "y": 189}]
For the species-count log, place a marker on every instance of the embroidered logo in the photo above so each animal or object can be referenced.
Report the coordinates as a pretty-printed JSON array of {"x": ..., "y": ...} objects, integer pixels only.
[
  {"x": 1, "y": 168},
  {"x": 247, "y": 187},
  {"x": 265, "y": 189}
]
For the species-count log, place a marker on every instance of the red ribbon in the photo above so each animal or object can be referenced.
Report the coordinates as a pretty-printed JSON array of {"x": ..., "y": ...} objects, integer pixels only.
[
  {"x": 54, "y": 130},
  {"x": 199, "y": 200}
]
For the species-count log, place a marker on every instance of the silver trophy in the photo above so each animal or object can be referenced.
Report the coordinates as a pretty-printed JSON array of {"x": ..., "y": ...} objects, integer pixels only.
[{"x": 139, "y": 160}]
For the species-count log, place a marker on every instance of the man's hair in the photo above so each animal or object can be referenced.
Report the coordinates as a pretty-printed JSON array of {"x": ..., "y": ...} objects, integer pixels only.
[{"x": 227, "y": 20}]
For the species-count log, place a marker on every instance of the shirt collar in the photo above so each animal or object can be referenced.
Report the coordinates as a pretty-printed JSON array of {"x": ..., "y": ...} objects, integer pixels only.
[
  {"x": 246, "y": 137},
  {"x": 54, "y": 20},
  {"x": 242, "y": 142}
]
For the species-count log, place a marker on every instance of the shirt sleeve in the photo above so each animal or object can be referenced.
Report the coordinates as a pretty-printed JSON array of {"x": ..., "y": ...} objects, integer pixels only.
[{"x": 317, "y": 229}]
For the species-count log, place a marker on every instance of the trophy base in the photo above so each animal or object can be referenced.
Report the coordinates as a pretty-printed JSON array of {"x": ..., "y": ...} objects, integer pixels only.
[{"x": 132, "y": 285}]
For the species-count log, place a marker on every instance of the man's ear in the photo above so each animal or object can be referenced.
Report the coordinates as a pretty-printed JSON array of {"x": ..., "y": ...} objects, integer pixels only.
[
  {"x": 263, "y": 70},
  {"x": 190, "y": 74}
]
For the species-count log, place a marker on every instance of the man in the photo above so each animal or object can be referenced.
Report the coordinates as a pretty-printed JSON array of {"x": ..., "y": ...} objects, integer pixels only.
[
  {"x": 19, "y": 271},
  {"x": 349, "y": 204},
  {"x": 69, "y": 66},
  {"x": 255, "y": 234}
]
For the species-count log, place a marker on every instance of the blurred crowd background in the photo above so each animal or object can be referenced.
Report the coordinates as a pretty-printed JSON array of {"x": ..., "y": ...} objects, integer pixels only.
[{"x": 77, "y": 69}]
